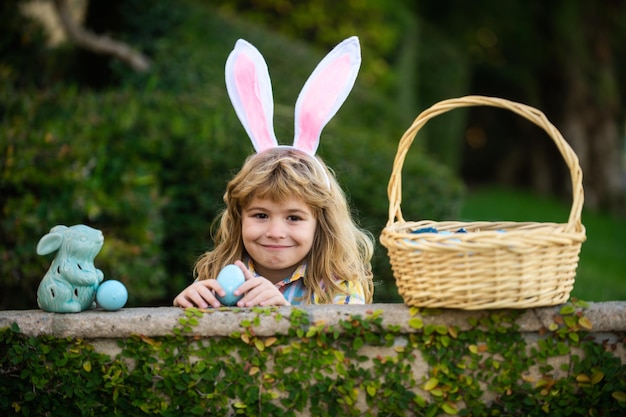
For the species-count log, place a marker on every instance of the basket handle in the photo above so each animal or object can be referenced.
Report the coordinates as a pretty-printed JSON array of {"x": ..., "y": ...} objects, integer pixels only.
[{"x": 394, "y": 189}]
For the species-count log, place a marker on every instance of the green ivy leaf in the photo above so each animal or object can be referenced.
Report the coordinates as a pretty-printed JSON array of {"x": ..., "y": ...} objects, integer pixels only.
[
  {"x": 596, "y": 376},
  {"x": 420, "y": 401},
  {"x": 416, "y": 323},
  {"x": 453, "y": 331},
  {"x": 441, "y": 329},
  {"x": 580, "y": 303},
  {"x": 585, "y": 323},
  {"x": 619, "y": 396},
  {"x": 431, "y": 384},
  {"x": 437, "y": 392},
  {"x": 358, "y": 343},
  {"x": 571, "y": 321},
  {"x": 449, "y": 409},
  {"x": 258, "y": 343}
]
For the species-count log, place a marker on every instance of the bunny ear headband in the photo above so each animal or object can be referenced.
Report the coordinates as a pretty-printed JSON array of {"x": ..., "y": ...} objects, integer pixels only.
[{"x": 250, "y": 90}]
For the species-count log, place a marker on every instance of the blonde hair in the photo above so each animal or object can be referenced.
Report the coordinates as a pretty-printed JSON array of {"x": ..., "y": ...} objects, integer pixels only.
[{"x": 341, "y": 250}]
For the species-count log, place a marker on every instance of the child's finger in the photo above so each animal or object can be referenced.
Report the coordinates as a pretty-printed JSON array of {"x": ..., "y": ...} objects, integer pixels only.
[
  {"x": 246, "y": 272},
  {"x": 265, "y": 297},
  {"x": 249, "y": 283},
  {"x": 260, "y": 291},
  {"x": 252, "y": 298},
  {"x": 206, "y": 292},
  {"x": 200, "y": 294}
]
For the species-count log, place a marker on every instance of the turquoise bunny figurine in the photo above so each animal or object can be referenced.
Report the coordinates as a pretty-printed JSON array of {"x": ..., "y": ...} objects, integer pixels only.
[{"x": 72, "y": 280}]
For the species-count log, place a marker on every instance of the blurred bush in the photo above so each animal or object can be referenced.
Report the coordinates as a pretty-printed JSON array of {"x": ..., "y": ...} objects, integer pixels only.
[{"x": 146, "y": 160}]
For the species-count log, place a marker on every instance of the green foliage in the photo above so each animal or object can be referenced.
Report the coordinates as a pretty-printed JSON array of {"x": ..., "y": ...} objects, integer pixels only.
[
  {"x": 379, "y": 25},
  {"x": 322, "y": 370},
  {"x": 57, "y": 169},
  {"x": 147, "y": 161},
  {"x": 22, "y": 46}
]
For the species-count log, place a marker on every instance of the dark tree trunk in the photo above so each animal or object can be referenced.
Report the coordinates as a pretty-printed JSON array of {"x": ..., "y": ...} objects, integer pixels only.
[{"x": 588, "y": 116}]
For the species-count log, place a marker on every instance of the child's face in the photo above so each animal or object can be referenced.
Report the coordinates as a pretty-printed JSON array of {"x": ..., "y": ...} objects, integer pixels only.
[{"x": 277, "y": 235}]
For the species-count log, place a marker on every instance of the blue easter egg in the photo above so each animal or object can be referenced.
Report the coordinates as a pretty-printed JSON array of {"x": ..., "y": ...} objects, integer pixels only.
[
  {"x": 111, "y": 295},
  {"x": 425, "y": 230},
  {"x": 230, "y": 278}
]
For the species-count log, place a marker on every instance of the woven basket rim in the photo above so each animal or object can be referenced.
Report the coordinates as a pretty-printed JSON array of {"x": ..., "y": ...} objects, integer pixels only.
[{"x": 480, "y": 228}]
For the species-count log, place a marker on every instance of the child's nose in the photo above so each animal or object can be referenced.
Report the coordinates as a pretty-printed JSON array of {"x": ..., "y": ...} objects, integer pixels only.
[{"x": 276, "y": 229}]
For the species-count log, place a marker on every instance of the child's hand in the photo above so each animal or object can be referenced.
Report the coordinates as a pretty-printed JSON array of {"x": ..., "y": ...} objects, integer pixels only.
[
  {"x": 258, "y": 291},
  {"x": 200, "y": 294}
]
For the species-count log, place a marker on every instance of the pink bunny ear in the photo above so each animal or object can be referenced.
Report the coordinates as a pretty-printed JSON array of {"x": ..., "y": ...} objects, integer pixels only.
[
  {"x": 324, "y": 93},
  {"x": 250, "y": 90}
]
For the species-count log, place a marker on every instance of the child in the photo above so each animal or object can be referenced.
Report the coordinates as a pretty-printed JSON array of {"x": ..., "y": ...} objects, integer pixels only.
[{"x": 287, "y": 223}]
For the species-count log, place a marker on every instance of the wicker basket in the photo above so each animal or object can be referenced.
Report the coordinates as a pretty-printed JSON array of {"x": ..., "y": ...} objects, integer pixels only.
[{"x": 493, "y": 265}]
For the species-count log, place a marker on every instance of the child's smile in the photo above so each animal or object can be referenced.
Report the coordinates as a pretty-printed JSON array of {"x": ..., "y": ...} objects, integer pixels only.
[{"x": 277, "y": 235}]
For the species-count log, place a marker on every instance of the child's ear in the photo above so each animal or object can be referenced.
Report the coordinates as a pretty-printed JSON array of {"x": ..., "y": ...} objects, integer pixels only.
[
  {"x": 250, "y": 90},
  {"x": 324, "y": 93}
]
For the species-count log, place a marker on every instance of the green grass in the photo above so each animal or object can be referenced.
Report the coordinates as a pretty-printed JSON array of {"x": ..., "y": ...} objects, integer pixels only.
[{"x": 601, "y": 274}]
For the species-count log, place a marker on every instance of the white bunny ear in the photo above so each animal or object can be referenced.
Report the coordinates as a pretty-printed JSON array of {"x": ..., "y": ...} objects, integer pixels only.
[
  {"x": 324, "y": 93},
  {"x": 250, "y": 90}
]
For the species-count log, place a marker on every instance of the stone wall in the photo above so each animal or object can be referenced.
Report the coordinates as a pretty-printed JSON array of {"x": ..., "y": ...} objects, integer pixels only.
[
  {"x": 606, "y": 318},
  {"x": 602, "y": 324}
]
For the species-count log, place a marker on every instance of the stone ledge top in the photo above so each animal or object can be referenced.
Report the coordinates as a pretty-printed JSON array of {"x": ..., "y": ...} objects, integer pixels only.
[{"x": 159, "y": 321}]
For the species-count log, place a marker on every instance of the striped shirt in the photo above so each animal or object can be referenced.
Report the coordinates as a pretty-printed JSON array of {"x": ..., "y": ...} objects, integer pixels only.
[{"x": 294, "y": 290}]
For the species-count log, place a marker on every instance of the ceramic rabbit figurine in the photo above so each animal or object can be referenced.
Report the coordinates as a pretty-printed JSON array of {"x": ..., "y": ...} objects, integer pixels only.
[{"x": 72, "y": 280}]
